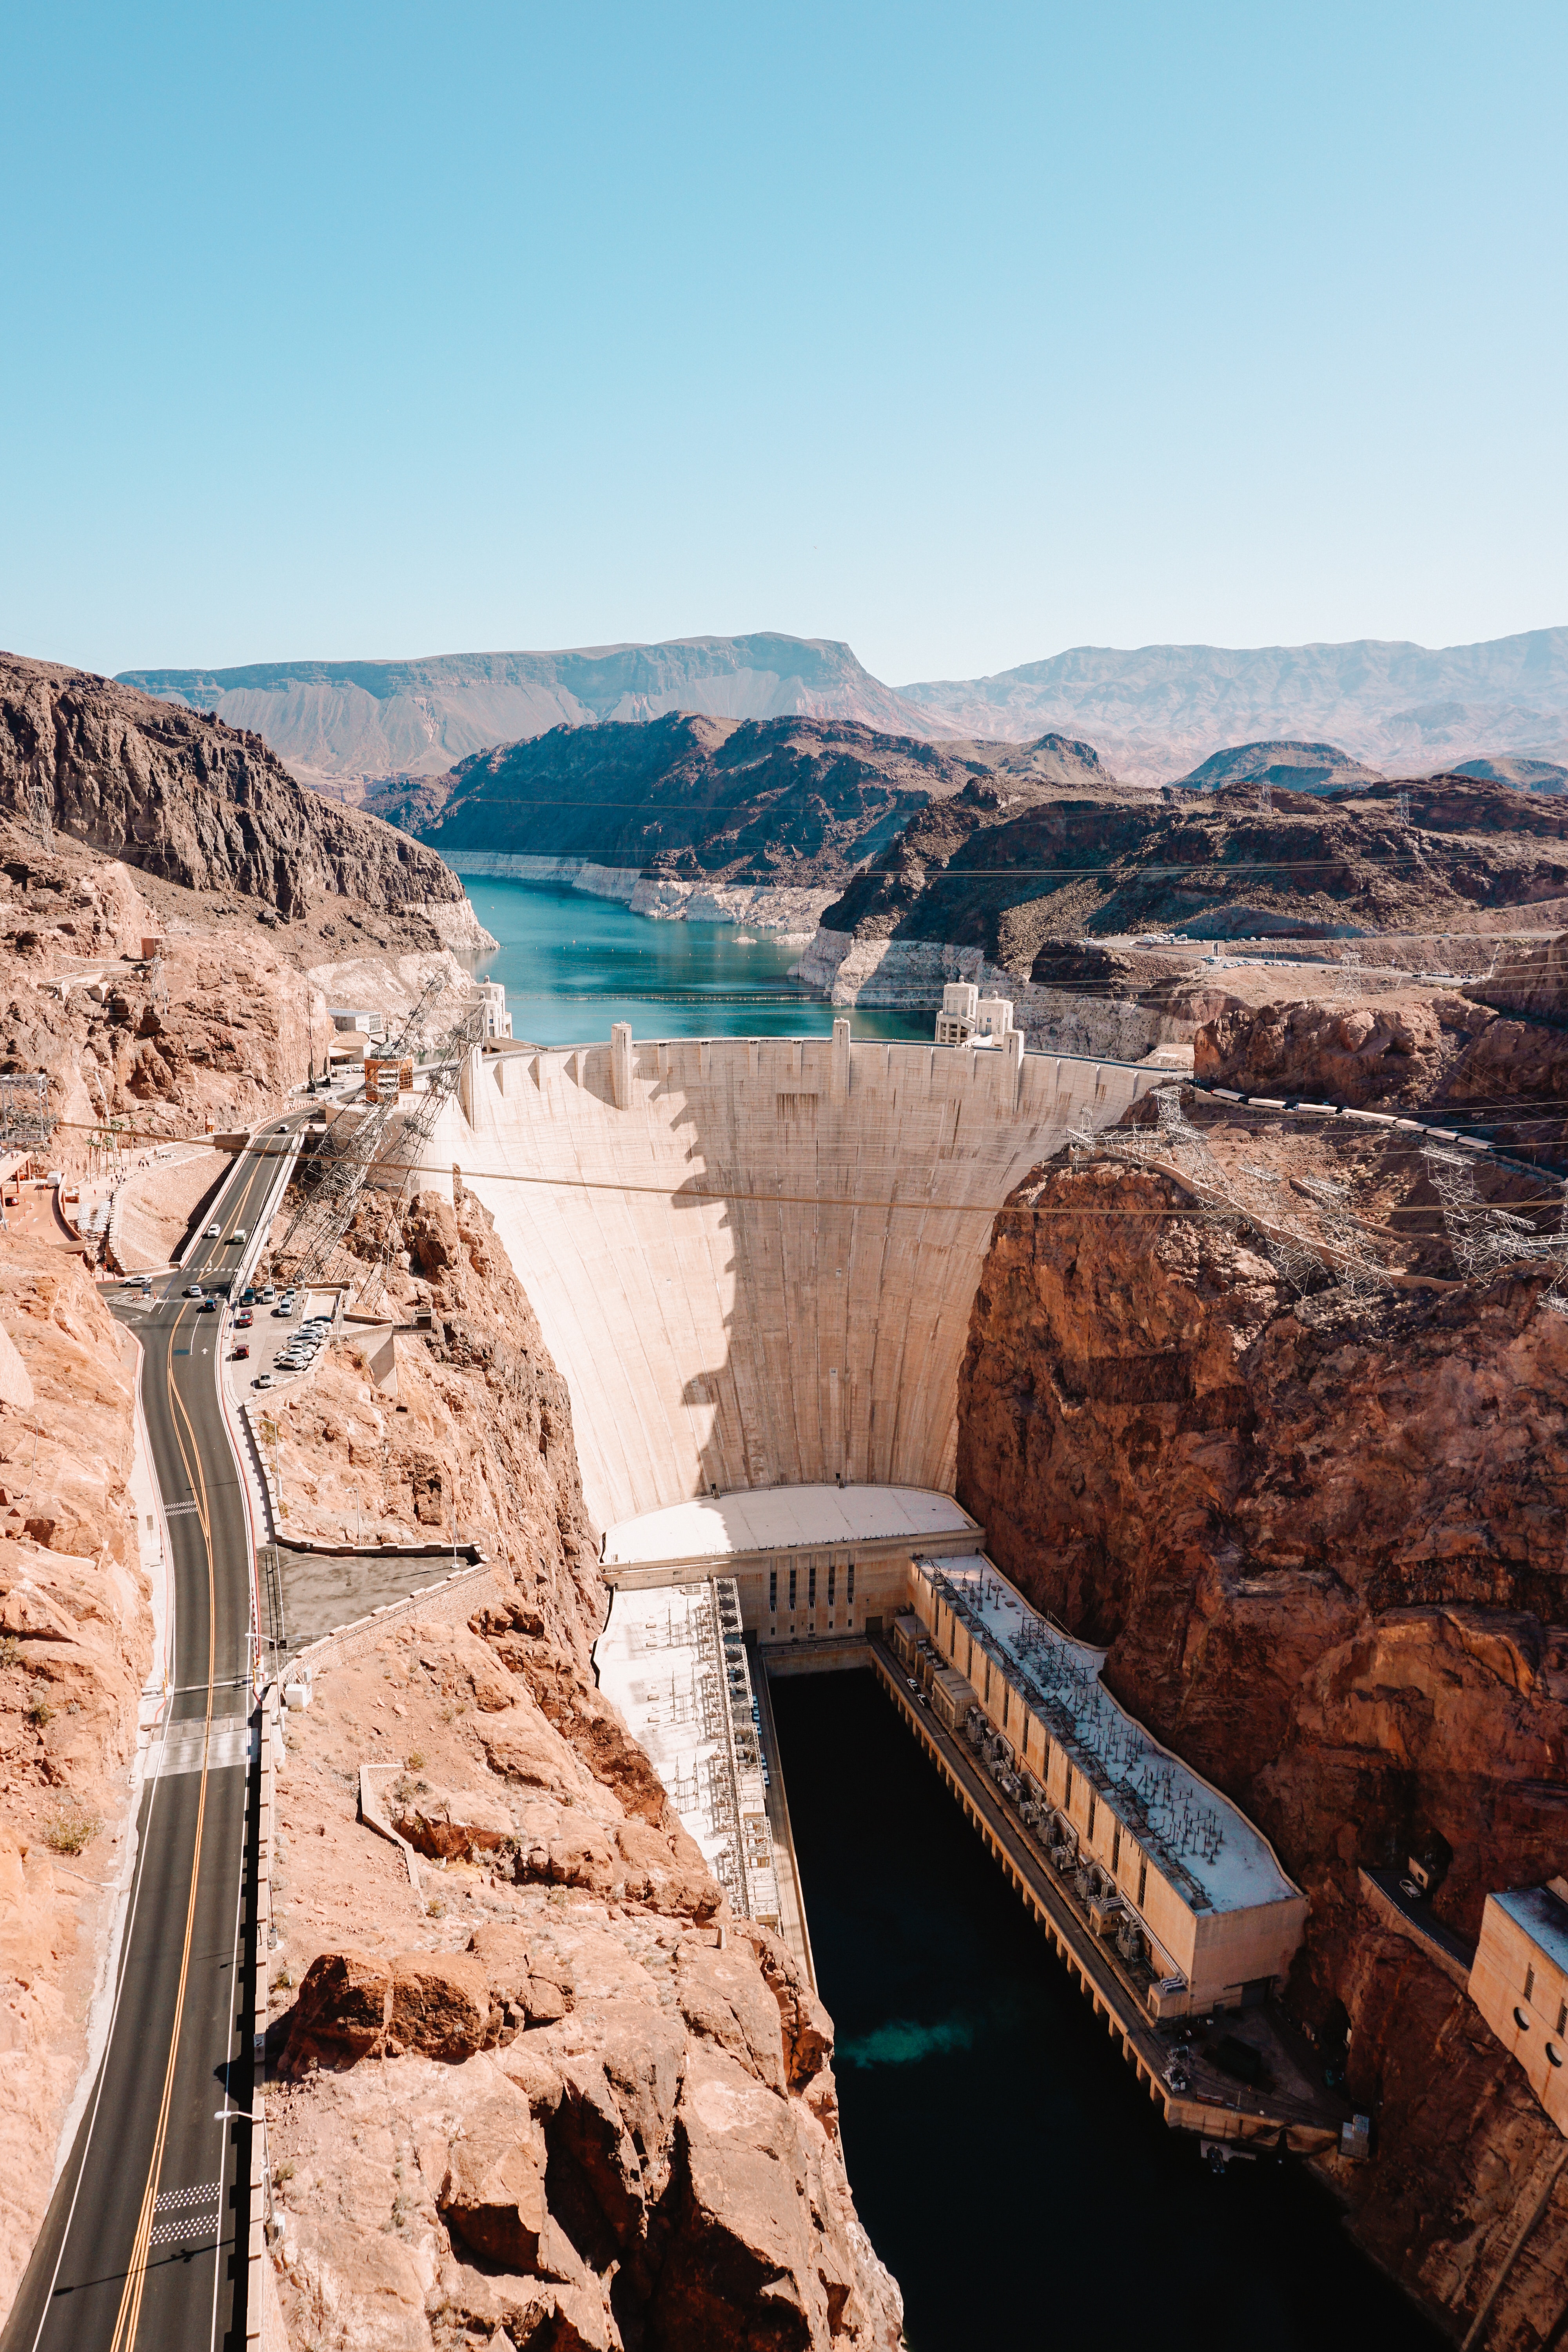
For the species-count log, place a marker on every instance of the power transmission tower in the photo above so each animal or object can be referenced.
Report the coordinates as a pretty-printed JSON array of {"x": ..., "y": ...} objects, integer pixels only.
[
  {"x": 416, "y": 1132},
  {"x": 332, "y": 1181}
]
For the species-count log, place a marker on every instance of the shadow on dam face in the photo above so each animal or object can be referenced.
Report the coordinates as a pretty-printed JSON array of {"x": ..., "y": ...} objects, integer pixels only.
[
  {"x": 754, "y": 1259},
  {"x": 1009, "y": 2169}
]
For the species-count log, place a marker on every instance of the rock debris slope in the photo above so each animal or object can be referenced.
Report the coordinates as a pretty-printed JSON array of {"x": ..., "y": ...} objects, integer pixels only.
[
  {"x": 552, "y": 2095},
  {"x": 1321, "y": 1533}
]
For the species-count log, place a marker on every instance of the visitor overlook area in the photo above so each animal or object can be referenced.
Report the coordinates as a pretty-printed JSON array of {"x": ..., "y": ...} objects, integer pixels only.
[{"x": 754, "y": 1259}]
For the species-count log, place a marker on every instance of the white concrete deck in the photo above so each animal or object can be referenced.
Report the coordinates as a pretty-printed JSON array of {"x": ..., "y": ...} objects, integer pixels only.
[
  {"x": 673, "y": 1663},
  {"x": 784, "y": 1518}
]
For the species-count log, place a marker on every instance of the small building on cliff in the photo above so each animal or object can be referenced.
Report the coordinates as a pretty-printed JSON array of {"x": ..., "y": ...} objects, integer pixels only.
[
  {"x": 1519, "y": 1984},
  {"x": 1222, "y": 1921}
]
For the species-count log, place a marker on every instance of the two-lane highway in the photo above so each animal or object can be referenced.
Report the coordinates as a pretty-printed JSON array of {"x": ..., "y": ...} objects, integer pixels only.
[{"x": 147, "y": 2236}]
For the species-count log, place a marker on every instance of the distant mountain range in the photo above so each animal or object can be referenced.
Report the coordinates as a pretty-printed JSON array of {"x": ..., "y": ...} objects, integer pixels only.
[
  {"x": 1160, "y": 711},
  {"x": 340, "y": 722},
  {"x": 1152, "y": 714}
]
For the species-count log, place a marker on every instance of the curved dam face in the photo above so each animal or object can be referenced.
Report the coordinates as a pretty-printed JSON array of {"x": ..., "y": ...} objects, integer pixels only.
[{"x": 754, "y": 1260}]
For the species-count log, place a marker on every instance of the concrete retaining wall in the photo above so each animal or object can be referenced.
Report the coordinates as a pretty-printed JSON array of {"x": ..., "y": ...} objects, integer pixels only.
[{"x": 452, "y": 1602}]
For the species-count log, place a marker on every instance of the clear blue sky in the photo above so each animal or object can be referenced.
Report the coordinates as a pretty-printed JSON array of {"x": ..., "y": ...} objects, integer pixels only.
[{"x": 965, "y": 334}]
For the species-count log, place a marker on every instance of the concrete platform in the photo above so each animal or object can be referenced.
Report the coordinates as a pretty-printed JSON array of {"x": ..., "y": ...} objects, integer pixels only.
[
  {"x": 779, "y": 1519},
  {"x": 322, "y": 1590}
]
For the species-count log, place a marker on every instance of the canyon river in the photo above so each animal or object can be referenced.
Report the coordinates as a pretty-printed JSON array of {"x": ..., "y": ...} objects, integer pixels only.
[{"x": 1006, "y": 2164}]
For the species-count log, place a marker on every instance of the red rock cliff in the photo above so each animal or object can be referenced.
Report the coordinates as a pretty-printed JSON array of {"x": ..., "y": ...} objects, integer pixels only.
[{"x": 1323, "y": 1538}]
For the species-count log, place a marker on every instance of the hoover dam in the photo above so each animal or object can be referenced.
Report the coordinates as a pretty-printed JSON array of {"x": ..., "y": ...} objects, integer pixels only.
[
  {"x": 755, "y": 1262},
  {"x": 754, "y": 1259}
]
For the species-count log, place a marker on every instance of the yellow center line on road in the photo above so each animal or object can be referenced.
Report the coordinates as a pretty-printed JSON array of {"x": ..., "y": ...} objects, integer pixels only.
[{"x": 128, "y": 2317}]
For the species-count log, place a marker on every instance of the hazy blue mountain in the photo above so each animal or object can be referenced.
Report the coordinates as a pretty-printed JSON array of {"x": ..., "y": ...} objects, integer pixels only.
[
  {"x": 1298, "y": 767},
  {"x": 1159, "y": 710},
  {"x": 1152, "y": 714},
  {"x": 1529, "y": 775},
  {"x": 335, "y": 721}
]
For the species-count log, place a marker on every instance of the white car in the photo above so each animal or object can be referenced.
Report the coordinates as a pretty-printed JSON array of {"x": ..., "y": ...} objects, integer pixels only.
[
  {"x": 262, "y": 1381},
  {"x": 194, "y": 1290},
  {"x": 238, "y": 1234},
  {"x": 213, "y": 1233}
]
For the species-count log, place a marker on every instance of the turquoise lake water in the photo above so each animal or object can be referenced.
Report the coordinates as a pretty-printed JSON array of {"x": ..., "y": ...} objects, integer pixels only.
[{"x": 571, "y": 965}]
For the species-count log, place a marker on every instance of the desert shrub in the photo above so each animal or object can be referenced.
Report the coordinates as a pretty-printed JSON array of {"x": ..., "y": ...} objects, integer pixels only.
[{"x": 69, "y": 1831}]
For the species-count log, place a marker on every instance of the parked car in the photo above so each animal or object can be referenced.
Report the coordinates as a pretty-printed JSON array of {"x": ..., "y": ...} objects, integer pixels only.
[
  {"x": 247, "y": 1298},
  {"x": 240, "y": 1352},
  {"x": 214, "y": 1234},
  {"x": 268, "y": 1293},
  {"x": 243, "y": 1319},
  {"x": 263, "y": 1381}
]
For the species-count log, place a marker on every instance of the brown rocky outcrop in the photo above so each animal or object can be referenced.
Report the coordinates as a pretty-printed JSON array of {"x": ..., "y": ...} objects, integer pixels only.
[
  {"x": 971, "y": 871},
  {"x": 75, "y": 1648},
  {"x": 571, "y": 2111},
  {"x": 1366, "y": 1054},
  {"x": 556, "y": 2095},
  {"x": 1496, "y": 1051},
  {"x": 176, "y": 791},
  {"x": 1321, "y": 1537}
]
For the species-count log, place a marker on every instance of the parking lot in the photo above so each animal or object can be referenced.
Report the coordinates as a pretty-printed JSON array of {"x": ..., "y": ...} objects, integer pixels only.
[{"x": 283, "y": 1340}]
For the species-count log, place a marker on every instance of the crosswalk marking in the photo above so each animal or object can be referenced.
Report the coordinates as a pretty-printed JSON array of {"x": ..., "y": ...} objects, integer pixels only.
[{"x": 186, "y": 1746}]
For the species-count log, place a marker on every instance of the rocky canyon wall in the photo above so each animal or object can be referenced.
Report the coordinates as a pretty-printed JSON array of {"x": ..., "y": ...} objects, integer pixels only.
[
  {"x": 1322, "y": 1535},
  {"x": 176, "y": 791},
  {"x": 529, "y": 2082},
  {"x": 75, "y": 1645}
]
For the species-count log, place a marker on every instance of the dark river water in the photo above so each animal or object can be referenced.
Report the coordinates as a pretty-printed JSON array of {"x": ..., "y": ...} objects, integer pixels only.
[
  {"x": 571, "y": 965},
  {"x": 1012, "y": 2175}
]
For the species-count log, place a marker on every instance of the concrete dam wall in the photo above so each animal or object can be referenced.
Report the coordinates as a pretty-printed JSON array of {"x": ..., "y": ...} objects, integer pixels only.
[{"x": 754, "y": 1259}]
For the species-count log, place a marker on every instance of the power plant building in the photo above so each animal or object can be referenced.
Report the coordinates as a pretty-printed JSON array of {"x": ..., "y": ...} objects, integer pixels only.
[
  {"x": 1222, "y": 1921},
  {"x": 1519, "y": 1981}
]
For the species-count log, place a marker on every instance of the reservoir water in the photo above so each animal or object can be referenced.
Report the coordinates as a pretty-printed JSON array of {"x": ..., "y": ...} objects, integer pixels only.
[
  {"x": 1012, "y": 2175},
  {"x": 571, "y": 965},
  {"x": 1019, "y": 2185}
]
